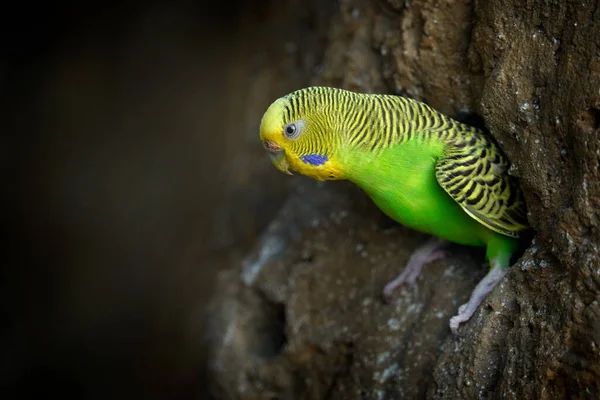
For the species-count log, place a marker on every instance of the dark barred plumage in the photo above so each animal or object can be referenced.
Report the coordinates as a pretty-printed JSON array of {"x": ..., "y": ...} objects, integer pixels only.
[
  {"x": 472, "y": 169},
  {"x": 372, "y": 121}
]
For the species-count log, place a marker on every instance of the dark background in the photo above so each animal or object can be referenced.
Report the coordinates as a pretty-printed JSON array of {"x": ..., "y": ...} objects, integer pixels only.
[
  {"x": 132, "y": 174},
  {"x": 115, "y": 162}
]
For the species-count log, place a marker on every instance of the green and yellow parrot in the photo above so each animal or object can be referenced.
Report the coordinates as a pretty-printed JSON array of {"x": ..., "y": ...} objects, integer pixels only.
[{"x": 421, "y": 168}]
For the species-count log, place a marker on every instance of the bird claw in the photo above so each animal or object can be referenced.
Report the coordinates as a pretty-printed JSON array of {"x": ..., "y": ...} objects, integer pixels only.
[
  {"x": 387, "y": 295},
  {"x": 457, "y": 320}
]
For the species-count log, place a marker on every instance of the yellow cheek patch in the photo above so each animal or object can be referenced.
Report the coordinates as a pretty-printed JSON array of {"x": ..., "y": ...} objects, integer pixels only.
[{"x": 316, "y": 166}]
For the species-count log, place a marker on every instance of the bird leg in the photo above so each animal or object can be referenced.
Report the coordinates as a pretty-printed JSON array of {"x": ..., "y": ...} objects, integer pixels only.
[
  {"x": 426, "y": 253},
  {"x": 481, "y": 291}
]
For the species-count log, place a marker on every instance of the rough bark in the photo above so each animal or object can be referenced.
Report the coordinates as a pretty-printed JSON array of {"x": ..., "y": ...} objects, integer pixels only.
[{"x": 301, "y": 316}]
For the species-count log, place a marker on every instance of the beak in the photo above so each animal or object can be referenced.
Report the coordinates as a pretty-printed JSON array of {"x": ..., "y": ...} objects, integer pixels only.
[
  {"x": 280, "y": 161},
  {"x": 277, "y": 156}
]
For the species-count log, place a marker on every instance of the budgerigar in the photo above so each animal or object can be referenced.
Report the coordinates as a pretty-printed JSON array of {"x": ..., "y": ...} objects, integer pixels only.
[{"x": 421, "y": 168}]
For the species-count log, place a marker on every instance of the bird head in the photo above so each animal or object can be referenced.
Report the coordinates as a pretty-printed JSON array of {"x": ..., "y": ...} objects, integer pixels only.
[{"x": 300, "y": 135}]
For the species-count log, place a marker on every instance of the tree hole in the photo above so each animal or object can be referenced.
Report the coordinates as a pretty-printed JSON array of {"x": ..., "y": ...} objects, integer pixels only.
[{"x": 589, "y": 120}]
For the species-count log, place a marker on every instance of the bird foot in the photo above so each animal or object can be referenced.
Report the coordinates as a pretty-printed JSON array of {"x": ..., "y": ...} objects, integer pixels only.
[
  {"x": 429, "y": 252},
  {"x": 481, "y": 291}
]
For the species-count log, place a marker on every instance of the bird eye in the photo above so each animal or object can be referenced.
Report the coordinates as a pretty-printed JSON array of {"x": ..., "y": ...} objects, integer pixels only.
[{"x": 290, "y": 131}]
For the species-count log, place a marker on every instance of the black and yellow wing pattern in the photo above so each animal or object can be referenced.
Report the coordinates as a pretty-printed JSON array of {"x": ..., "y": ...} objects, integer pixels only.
[{"x": 474, "y": 172}]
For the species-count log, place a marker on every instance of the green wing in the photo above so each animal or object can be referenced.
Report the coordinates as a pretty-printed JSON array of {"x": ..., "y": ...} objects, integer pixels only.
[{"x": 473, "y": 171}]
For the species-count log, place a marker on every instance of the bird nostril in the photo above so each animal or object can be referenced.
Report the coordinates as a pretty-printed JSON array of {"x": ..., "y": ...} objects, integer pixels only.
[{"x": 271, "y": 146}]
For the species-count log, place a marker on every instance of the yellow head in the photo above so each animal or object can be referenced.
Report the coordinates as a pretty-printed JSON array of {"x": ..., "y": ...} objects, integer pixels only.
[{"x": 301, "y": 132}]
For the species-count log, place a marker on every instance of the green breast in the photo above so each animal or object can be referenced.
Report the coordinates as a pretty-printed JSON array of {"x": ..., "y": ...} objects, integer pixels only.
[{"x": 401, "y": 181}]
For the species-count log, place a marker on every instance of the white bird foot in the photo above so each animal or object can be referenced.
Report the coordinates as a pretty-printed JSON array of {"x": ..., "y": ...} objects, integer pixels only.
[
  {"x": 428, "y": 252},
  {"x": 481, "y": 291}
]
